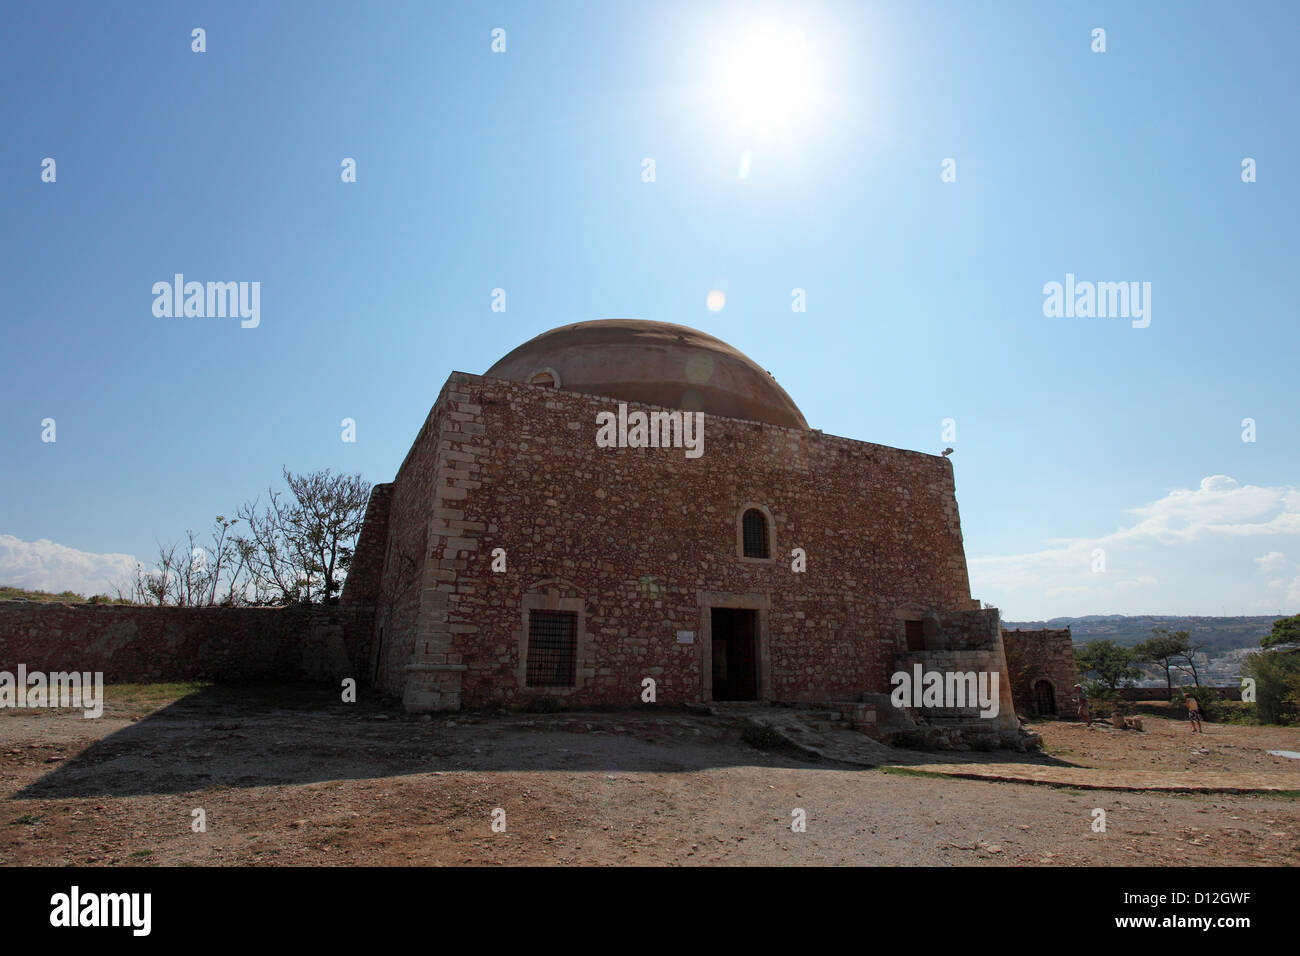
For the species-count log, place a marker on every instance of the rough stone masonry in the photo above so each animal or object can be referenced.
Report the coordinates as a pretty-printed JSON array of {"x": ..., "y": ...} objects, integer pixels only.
[{"x": 514, "y": 557}]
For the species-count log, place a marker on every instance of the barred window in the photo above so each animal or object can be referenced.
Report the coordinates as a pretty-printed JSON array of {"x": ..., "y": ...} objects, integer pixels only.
[
  {"x": 552, "y": 648},
  {"x": 754, "y": 533}
]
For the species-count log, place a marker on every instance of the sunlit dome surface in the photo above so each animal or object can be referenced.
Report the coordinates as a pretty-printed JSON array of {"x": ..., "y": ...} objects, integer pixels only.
[{"x": 654, "y": 363}]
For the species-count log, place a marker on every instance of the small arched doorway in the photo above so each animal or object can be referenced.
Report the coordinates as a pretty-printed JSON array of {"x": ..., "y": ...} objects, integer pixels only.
[{"x": 1044, "y": 699}]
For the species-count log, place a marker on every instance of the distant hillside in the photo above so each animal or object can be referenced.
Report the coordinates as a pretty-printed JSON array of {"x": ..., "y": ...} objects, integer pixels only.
[
  {"x": 9, "y": 593},
  {"x": 1218, "y": 633}
]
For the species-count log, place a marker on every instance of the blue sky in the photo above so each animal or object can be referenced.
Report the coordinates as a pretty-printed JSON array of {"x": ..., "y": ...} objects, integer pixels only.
[{"x": 522, "y": 170}]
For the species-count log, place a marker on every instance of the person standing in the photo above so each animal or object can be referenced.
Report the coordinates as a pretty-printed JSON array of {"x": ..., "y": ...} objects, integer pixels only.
[
  {"x": 1193, "y": 713},
  {"x": 1084, "y": 713}
]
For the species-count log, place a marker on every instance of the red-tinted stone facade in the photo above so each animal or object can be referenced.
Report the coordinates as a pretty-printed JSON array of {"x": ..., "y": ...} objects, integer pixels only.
[{"x": 633, "y": 549}]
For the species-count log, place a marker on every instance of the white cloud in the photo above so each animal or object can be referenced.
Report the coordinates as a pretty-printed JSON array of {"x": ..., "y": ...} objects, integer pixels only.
[
  {"x": 1275, "y": 562},
  {"x": 1189, "y": 552},
  {"x": 1219, "y": 506},
  {"x": 46, "y": 566},
  {"x": 1272, "y": 562}
]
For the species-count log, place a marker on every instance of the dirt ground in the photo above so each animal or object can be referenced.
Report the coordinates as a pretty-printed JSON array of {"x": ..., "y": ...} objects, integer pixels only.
[
  {"x": 291, "y": 776},
  {"x": 1170, "y": 745}
]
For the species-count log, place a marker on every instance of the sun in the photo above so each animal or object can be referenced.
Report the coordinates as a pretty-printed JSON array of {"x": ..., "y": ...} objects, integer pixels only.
[{"x": 767, "y": 78}]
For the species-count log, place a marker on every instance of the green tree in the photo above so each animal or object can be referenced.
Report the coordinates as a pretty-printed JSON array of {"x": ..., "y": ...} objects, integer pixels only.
[
  {"x": 1276, "y": 671},
  {"x": 1286, "y": 630},
  {"x": 1277, "y": 684},
  {"x": 1164, "y": 649},
  {"x": 1109, "y": 661}
]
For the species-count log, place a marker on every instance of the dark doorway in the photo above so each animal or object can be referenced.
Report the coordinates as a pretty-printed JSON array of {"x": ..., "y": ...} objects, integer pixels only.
[
  {"x": 1045, "y": 699},
  {"x": 735, "y": 653}
]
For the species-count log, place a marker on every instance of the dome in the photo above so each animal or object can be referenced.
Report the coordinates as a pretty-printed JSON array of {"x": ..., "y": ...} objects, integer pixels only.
[{"x": 654, "y": 363}]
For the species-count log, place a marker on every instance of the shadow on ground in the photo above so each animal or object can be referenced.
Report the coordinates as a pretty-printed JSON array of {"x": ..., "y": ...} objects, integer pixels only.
[
  {"x": 919, "y": 758},
  {"x": 269, "y": 735}
]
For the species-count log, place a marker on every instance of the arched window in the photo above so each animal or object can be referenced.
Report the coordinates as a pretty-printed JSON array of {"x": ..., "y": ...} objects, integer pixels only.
[
  {"x": 754, "y": 534},
  {"x": 545, "y": 377}
]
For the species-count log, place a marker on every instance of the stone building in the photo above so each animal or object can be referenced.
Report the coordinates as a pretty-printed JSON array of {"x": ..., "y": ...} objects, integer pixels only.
[
  {"x": 560, "y": 530},
  {"x": 1042, "y": 671}
]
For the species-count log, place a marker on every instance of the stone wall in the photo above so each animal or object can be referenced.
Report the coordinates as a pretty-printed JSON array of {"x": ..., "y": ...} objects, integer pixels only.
[
  {"x": 965, "y": 642},
  {"x": 643, "y": 541},
  {"x": 966, "y": 630},
  {"x": 140, "y": 644},
  {"x": 1042, "y": 655},
  {"x": 1137, "y": 694},
  {"x": 361, "y": 586},
  {"x": 411, "y": 612}
]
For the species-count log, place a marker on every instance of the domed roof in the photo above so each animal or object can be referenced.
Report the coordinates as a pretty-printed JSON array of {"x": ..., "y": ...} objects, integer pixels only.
[{"x": 654, "y": 363}]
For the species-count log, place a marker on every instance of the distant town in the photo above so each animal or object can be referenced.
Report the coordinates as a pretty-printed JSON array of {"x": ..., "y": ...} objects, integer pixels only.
[{"x": 1228, "y": 640}]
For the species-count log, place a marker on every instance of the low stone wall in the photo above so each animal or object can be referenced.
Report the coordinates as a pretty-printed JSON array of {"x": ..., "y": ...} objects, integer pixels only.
[
  {"x": 1229, "y": 692},
  {"x": 140, "y": 644}
]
